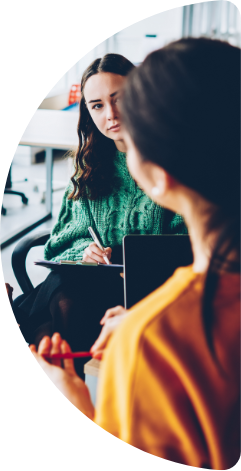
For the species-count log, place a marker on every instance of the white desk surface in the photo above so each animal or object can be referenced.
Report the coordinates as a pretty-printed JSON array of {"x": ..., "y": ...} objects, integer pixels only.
[{"x": 52, "y": 128}]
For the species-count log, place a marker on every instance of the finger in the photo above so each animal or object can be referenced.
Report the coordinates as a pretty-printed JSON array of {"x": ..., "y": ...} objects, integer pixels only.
[
  {"x": 68, "y": 363},
  {"x": 87, "y": 258},
  {"x": 94, "y": 255},
  {"x": 38, "y": 357},
  {"x": 101, "y": 341},
  {"x": 98, "y": 256},
  {"x": 101, "y": 253},
  {"x": 122, "y": 275},
  {"x": 95, "y": 249},
  {"x": 44, "y": 346},
  {"x": 109, "y": 313},
  {"x": 108, "y": 252},
  {"x": 98, "y": 355},
  {"x": 32, "y": 348},
  {"x": 56, "y": 343},
  {"x": 114, "y": 311}
]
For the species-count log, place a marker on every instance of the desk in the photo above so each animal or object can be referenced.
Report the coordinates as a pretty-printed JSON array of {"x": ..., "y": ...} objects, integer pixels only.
[
  {"x": 91, "y": 370},
  {"x": 49, "y": 129}
]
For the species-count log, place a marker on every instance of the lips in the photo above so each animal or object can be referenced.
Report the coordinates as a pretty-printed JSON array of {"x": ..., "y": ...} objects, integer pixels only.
[{"x": 114, "y": 128}]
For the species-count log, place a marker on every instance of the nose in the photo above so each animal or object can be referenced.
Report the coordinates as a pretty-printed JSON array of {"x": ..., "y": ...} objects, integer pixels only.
[{"x": 112, "y": 113}]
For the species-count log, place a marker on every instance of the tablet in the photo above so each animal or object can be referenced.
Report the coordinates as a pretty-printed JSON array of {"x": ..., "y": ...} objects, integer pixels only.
[{"x": 149, "y": 260}]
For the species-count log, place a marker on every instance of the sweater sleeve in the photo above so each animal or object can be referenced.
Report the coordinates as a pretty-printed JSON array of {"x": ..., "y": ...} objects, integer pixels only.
[{"x": 69, "y": 237}]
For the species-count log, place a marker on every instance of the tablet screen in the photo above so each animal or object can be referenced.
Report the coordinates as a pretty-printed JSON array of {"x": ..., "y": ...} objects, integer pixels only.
[{"x": 149, "y": 260}]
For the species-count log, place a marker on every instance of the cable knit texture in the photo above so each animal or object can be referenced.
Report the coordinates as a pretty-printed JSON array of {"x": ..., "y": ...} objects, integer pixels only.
[{"x": 127, "y": 210}]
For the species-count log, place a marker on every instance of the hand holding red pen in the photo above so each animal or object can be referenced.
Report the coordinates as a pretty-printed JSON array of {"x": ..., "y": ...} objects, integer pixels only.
[{"x": 65, "y": 378}]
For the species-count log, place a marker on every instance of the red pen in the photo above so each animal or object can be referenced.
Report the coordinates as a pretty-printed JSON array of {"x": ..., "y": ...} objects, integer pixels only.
[{"x": 67, "y": 355}]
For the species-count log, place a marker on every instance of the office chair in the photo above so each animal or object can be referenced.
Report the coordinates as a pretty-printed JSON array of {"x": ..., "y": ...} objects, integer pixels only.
[
  {"x": 19, "y": 256},
  {"x": 9, "y": 191}
]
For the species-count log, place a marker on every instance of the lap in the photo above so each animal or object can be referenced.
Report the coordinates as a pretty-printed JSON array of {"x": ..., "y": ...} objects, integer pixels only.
[
  {"x": 89, "y": 295},
  {"x": 77, "y": 306}
]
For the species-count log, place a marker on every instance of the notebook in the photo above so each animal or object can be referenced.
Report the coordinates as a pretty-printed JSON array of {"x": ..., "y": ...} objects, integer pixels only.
[{"x": 149, "y": 260}]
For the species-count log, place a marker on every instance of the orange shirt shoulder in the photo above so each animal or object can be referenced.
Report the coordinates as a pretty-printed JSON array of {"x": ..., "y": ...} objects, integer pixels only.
[{"x": 160, "y": 389}]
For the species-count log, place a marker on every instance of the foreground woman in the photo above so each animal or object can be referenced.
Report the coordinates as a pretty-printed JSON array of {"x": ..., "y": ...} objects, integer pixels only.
[{"x": 169, "y": 380}]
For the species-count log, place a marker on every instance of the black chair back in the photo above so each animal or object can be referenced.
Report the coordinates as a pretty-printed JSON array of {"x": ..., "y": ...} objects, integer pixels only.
[{"x": 19, "y": 258}]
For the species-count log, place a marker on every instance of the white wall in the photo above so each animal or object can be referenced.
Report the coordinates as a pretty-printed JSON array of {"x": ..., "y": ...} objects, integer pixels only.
[
  {"x": 220, "y": 19},
  {"x": 130, "y": 42}
]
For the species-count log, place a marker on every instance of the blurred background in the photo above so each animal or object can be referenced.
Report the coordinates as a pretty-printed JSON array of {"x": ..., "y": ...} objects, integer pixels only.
[{"x": 42, "y": 166}]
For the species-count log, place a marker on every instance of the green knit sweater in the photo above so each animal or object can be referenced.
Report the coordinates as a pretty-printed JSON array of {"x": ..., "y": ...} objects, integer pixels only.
[{"x": 127, "y": 210}]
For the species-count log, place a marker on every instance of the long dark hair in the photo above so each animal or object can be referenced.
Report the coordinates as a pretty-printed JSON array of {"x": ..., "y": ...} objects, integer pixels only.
[
  {"x": 94, "y": 156},
  {"x": 182, "y": 110}
]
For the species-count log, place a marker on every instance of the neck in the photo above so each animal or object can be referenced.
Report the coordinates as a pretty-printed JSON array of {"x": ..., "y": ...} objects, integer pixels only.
[
  {"x": 120, "y": 145},
  {"x": 201, "y": 248},
  {"x": 197, "y": 213}
]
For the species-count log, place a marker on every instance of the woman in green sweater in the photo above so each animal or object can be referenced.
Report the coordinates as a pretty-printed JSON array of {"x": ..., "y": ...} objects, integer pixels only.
[{"x": 103, "y": 195}]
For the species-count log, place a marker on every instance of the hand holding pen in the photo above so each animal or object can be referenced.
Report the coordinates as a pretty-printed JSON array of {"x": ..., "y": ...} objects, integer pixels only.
[
  {"x": 55, "y": 357},
  {"x": 95, "y": 252}
]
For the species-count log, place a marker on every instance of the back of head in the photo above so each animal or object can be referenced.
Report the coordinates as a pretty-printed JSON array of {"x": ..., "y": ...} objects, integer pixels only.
[{"x": 182, "y": 110}]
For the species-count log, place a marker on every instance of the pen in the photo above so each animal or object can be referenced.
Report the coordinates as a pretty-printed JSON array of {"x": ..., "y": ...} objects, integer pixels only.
[
  {"x": 67, "y": 355},
  {"x": 96, "y": 240}
]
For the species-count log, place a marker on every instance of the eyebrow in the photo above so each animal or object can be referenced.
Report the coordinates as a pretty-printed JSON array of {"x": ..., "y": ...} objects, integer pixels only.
[{"x": 111, "y": 96}]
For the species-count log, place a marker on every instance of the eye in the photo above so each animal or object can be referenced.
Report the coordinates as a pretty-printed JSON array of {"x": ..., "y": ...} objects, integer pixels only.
[{"x": 98, "y": 106}]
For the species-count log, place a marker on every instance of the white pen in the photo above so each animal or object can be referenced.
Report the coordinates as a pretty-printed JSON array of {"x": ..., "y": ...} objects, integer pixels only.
[{"x": 96, "y": 240}]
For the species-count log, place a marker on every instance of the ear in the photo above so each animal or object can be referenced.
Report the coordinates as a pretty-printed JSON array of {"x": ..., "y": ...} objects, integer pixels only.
[{"x": 162, "y": 181}]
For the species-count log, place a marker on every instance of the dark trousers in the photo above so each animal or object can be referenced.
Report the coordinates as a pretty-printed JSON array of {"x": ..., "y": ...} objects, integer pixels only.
[{"x": 71, "y": 302}]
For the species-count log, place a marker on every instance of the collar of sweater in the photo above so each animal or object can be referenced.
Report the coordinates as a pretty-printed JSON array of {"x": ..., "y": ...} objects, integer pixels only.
[{"x": 120, "y": 154}]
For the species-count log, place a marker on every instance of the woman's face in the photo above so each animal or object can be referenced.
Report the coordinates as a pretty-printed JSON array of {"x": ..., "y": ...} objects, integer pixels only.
[{"x": 101, "y": 93}]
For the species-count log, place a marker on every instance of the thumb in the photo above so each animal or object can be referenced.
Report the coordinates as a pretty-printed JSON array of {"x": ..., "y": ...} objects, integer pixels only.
[{"x": 101, "y": 341}]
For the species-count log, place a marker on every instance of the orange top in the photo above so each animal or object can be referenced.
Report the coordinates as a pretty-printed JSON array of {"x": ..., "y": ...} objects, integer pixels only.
[{"x": 160, "y": 389}]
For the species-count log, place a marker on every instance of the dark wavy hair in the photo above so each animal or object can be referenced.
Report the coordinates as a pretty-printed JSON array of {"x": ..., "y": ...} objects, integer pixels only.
[
  {"x": 181, "y": 107},
  {"x": 94, "y": 157}
]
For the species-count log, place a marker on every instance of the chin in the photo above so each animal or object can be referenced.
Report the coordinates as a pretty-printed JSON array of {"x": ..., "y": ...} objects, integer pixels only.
[{"x": 115, "y": 136}]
